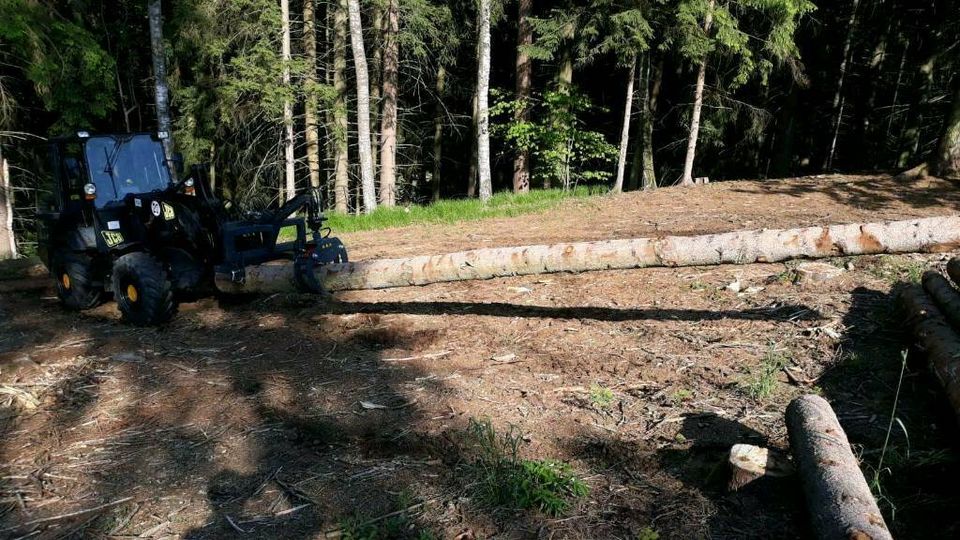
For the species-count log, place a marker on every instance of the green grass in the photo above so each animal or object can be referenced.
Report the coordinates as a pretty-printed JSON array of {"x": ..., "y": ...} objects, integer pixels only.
[
  {"x": 763, "y": 382},
  {"x": 896, "y": 268},
  {"x": 504, "y": 204},
  {"x": 601, "y": 397},
  {"x": 504, "y": 480}
]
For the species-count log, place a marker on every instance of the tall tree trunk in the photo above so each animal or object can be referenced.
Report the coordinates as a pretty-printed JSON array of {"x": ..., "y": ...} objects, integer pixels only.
[
  {"x": 483, "y": 112},
  {"x": 363, "y": 108},
  {"x": 161, "y": 90},
  {"x": 946, "y": 162},
  {"x": 310, "y": 80},
  {"x": 649, "y": 178},
  {"x": 687, "y": 179},
  {"x": 563, "y": 85},
  {"x": 910, "y": 141},
  {"x": 376, "y": 80},
  {"x": 625, "y": 131},
  {"x": 341, "y": 146},
  {"x": 524, "y": 71},
  {"x": 472, "y": 173},
  {"x": 837, "y": 96},
  {"x": 438, "y": 133},
  {"x": 388, "y": 126},
  {"x": 936, "y": 234},
  {"x": 289, "y": 190},
  {"x": 8, "y": 243}
]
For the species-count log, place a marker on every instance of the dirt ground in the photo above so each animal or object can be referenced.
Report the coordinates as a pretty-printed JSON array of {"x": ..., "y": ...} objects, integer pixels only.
[{"x": 285, "y": 417}]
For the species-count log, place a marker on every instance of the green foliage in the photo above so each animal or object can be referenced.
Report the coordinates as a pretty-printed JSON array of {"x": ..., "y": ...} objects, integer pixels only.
[
  {"x": 763, "y": 382},
  {"x": 601, "y": 396},
  {"x": 556, "y": 136},
  {"x": 456, "y": 210},
  {"x": 506, "y": 480},
  {"x": 648, "y": 533},
  {"x": 68, "y": 69}
]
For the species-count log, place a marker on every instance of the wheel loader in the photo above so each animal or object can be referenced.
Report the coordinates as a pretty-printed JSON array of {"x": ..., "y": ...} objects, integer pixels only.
[{"x": 121, "y": 223}]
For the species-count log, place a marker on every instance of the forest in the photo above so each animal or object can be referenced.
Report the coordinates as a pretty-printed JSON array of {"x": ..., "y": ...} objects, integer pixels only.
[{"x": 624, "y": 94}]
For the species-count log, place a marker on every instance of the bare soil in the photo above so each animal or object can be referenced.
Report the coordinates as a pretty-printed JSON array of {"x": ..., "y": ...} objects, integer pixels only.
[{"x": 286, "y": 417}]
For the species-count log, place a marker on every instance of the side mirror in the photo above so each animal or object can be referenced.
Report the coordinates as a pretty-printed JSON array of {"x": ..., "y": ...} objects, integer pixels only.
[{"x": 177, "y": 160}]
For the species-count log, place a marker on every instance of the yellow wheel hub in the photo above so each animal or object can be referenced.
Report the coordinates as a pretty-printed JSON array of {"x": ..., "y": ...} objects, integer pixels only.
[
  {"x": 132, "y": 293},
  {"x": 65, "y": 279}
]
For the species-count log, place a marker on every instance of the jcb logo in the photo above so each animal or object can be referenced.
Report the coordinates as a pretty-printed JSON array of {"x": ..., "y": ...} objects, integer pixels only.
[
  {"x": 168, "y": 213},
  {"x": 112, "y": 238}
]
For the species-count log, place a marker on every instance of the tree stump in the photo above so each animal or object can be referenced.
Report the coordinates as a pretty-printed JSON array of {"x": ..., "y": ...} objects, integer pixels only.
[
  {"x": 749, "y": 462},
  {"x": 816, "y": 272},
  {"x": 838, "y": 498}
]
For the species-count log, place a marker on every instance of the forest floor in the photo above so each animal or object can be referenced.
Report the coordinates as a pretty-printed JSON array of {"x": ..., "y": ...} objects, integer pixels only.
[{"x": 285, "y": 417}]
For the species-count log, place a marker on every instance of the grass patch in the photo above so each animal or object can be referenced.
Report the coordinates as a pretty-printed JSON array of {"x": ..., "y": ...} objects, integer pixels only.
[
  {"x": 601, "y": 396},
  {"x": 504, "y": 204},
  {"x": 505, "y": 480},
  {"x": 681, "y": 395},
  {"x": 894, "y": 268},
  {"x": 401, "y": 525},
  {"x": 762, "y": 383}
]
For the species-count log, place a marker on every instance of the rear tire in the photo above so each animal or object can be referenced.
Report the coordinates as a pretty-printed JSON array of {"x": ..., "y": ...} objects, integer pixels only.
[
  {"x": 75, "y": 281},
  {"x": 142, "y": 288}
]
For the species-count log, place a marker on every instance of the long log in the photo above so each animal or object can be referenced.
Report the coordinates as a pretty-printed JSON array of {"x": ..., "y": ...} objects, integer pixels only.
[
  {"x": 934, "y": 334},
  {"x": 839, "y": 500},
  {"x": 935, "y": 234},
  {"x": 944, "y": 295}
]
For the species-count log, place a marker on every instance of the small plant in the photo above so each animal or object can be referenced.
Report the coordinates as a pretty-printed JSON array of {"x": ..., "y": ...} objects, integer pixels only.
[
  {"x": 681, "y": 395},
  {"x": 876, "y": 484},
  {"x": 362, "y": 527},
  {"x": 896, "y": 268},
  {"x": 601, "y": 397},
  {"x": 762, "y": 384},
  {"x": 648, "y": 533},
  {"x": 506, "y": 480}
]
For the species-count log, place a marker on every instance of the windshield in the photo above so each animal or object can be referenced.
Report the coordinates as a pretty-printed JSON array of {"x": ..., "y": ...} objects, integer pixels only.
[{"x": 120, "y": 165}]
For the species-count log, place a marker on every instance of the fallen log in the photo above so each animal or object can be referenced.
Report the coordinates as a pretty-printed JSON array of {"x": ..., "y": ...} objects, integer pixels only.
[
  {"x": 935, "y": 234},
  {"x": 953, "y": 270},
  {"x": 944, "y": 295},
  {"x": 838, "y": 498},
  {"x": 935, "y": 337}
]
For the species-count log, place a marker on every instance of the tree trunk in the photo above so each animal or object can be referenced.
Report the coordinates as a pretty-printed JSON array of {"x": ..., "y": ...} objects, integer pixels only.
[
  {"x": 742, "y": 247},
  {"x": 625, "y": 131},
  {"x": 564, "y": 85},
  {"x": 438, "y": 133},
  {"x": 838, "y": 95},
  {"x": 363, "y": 108},
  {"x": 483, "y": 112},
  {"x": 290, "y": 185},
  {"x": 524, "y": 73},
  {"x": 687, "y": 179},
  {"x": 376, "y": 80},
  {"x": 649, "y": 178},
  {"x": 341, "y": 146},
  {"x": 8, "y": 243},
  {"x": 388, "y": 126},
  {"x": 312, "y": 134},
  {"x": 935, "y": 337},
  {"x": 474, "y": 145},
  {"x": 161, "y": 90},
  {"x": 838, "y": 498},
  {"x": 946, "y": 162}
]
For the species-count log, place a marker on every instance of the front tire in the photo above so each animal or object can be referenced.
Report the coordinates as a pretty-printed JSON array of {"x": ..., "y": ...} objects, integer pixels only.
[
  {"x": 75, "y": 281},
  {"x": 142, "y": 288}
]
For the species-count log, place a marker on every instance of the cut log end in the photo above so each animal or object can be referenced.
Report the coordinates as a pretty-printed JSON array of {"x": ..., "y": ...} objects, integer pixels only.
[{"x": 749, "y": 463}]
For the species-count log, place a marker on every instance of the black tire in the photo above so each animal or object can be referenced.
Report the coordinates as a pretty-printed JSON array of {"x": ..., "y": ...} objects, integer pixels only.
[
  {"x": 142, "y": 288},
  {"x": 76, "y": 286}
]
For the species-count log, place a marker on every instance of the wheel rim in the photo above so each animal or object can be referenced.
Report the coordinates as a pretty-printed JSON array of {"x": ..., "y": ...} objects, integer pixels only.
[
  {"x": 132, "y": 293},
  {"x": 65, "y": 280}
]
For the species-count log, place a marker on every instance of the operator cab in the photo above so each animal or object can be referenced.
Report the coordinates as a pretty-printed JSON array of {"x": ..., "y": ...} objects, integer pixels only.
[{"x": 122, "y": 165}]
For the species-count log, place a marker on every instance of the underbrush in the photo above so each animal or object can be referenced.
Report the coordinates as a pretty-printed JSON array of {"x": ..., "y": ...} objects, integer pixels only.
[
  {"x": 504, "y": 204},
  {"x": 504, "y": 480}
]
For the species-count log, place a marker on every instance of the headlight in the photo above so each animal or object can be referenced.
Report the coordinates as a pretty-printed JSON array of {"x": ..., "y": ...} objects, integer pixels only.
[
  {"x": 90, "y": 189},
  {"x": 188, "y": 182}
]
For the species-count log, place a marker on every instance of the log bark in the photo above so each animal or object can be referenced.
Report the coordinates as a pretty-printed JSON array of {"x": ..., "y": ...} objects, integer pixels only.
[
  {"x": 944, "y": 295},
  {"x": 766, "y": 245},
  {"x": 934, "y": 335},
  {"x": 838, "y": 498},
  {"x": 953, "y": 270}
]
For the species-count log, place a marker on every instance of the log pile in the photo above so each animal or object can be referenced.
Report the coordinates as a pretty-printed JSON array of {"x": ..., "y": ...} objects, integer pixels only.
[
  {"x": 932, "y": 312},
  {"x": 937, "y": 234}
]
